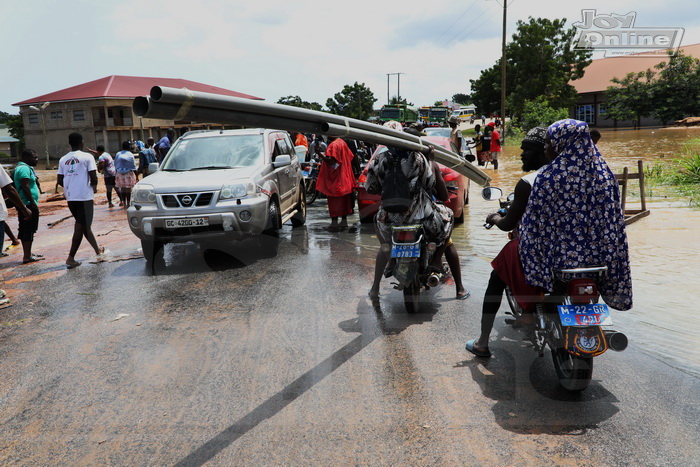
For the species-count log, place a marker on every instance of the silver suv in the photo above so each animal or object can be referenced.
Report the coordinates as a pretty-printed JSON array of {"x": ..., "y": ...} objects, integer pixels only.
[{"x": 219, "y": 185}]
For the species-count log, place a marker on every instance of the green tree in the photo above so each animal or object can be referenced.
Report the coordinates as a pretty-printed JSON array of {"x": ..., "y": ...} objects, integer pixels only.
[
  {"x": 4, "y": 116},
  {"x": 541, "y": 61},
  {"x": 395, "y": 100},
  {"x": 356, "y": 101},
  {"x": 460, "y": 98},
  {"x": 296, "y": 101},
  {"x": 676, "y": 91},
  {"x": 15, "y": 126},
  {"x": 539, "y": 112},
  {"x": 630, "y": 98}
]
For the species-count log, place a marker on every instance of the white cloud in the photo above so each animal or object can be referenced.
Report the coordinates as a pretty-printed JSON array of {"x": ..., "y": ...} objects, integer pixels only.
[{"x": 275, "y": 48}]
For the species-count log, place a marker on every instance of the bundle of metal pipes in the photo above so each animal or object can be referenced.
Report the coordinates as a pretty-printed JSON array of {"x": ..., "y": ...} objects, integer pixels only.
[{"x": 182, "y": 104}]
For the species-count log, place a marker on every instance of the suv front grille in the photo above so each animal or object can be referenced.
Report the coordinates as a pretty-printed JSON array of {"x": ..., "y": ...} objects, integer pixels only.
[{"x": 187, "y": 200}]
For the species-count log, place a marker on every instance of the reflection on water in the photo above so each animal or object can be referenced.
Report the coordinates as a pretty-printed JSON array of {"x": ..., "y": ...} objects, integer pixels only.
[{"x": 664, "y": 247}]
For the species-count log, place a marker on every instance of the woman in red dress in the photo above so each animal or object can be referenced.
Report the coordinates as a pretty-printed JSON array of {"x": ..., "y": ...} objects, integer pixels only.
[{"x": 337, "y": 181}]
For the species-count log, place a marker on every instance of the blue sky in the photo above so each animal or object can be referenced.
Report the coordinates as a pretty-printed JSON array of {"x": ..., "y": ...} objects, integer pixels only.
[{"x": 274, "y": 48}]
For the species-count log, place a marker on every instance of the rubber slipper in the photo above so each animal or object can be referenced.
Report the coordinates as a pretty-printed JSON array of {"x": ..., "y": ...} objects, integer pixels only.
[
  {"x": 73, "y": 265},
  {"x": 3, "y": 254},
  {"x": 32, "y": 259},
  {"x": 464, "y": 297},
  {"x": 479, "y": 353}
]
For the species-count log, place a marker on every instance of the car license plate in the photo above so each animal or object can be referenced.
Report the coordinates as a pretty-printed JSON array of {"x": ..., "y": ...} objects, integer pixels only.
[
  {"x": 591, "y": 314},
  {"x": 186, "y": 222},
  {"x": 405, "y": 251}
]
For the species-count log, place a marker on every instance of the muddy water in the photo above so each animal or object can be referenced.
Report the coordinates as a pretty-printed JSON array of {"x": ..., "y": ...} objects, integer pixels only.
[{"x": 664, "y": 247}]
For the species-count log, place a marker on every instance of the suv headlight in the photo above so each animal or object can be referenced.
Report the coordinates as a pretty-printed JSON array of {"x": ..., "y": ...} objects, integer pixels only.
[
  {"x": 144, "y": 194},
  {"x": 237, "y": 190}
]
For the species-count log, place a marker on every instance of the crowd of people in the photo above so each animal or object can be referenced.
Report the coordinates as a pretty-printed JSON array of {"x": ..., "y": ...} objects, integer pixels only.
[{"x": 545, "y": 236}]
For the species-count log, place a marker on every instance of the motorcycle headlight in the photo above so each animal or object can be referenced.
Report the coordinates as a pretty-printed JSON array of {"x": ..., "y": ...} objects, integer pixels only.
[
  {"x": 143, "y": 194},
  {"x": 237, "y": 190}
]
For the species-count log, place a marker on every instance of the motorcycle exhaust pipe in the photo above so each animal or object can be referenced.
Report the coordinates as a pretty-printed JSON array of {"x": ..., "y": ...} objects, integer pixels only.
[
  {"x": 434, "y": 279},
  {"x": 617, "y": 341}
]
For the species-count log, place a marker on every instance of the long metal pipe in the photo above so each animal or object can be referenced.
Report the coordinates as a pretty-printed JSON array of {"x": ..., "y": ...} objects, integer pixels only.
[{"x": 183, "y": 104}]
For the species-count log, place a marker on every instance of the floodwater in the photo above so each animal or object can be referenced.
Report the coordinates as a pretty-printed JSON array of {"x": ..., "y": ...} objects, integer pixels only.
[{"x": 664, "y": 246}]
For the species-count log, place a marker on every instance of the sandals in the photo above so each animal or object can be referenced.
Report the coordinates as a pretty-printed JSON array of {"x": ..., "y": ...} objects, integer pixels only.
[
  {"x": 478, "y": 352},
  {"x": 33, "y": 259}
]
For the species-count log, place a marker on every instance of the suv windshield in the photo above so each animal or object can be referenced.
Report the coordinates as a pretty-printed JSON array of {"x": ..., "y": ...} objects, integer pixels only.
[{"x": 215, "y": 152}]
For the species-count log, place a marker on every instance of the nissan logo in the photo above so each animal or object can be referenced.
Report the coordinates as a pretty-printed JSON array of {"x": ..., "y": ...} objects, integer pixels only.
[{"x": 187, "y": 200}]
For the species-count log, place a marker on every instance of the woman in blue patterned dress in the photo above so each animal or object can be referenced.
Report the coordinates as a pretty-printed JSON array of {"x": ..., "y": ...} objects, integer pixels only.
[{"x": 573, "y": 218}]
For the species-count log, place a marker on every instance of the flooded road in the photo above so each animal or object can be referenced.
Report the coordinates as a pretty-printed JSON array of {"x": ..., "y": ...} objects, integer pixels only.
[{"x": 664, "y": 247}]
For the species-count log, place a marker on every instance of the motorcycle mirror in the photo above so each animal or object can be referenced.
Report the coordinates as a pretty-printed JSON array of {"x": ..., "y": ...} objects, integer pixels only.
[
  {"x": 510, "y": 197},
  {"x": 491, "y": 193}
]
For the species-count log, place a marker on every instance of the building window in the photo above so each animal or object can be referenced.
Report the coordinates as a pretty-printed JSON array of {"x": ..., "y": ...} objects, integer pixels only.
[
  {"x": 34, "y": 118},
  {"x": 585, "y": 113},
  {"x": 78, "y": 115},
  {"x": 57, "y": 115},
  {"x": 602, "y": 109}
]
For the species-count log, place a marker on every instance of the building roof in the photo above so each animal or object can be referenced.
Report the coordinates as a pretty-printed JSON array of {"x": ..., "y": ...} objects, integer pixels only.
[
  {"x": 5, "y": 135},
  {"x": 599, "y": 73},
  {"x": 117, "y": 86}
]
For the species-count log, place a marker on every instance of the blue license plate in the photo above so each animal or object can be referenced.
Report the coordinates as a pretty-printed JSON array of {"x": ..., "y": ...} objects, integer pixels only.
[
  {"x": 592, "y": 314},
  {"x": 305, "y": 173},
  {"x": 405, "y": 251}
]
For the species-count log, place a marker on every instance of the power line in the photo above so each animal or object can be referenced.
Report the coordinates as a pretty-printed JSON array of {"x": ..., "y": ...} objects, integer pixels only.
[
  {"x": 453, "y": 41},
  {"x": 455, "y": 21}
]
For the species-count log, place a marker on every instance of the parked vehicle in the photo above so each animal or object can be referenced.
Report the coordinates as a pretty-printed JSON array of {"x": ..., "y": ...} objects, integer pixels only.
[
  {"x": 457, "y": 185},
  {"x": 570, "y": 320},
  {"x": 310, "y": 172},
  {"x": 465, "y": 112},
  {"x": 217, "y": 186}
]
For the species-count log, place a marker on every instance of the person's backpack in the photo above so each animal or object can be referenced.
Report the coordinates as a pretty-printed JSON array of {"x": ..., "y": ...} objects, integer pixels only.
[{"x": 396, "y": 195}]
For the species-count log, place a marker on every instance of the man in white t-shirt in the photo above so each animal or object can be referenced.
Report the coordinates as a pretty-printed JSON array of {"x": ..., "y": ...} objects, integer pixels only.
[{"x": 77, "y": 174}]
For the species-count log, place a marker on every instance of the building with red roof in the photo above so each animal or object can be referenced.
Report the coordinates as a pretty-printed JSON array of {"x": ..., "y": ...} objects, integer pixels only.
[
  {"x": 101, "y": 111},
  {"x": 591, "y": 87}
]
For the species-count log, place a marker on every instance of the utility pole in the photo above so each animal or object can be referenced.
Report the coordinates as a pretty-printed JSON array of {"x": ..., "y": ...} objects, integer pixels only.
[
  {"x": 398, "y": 91},
  {"x": 503, "y": 74}
]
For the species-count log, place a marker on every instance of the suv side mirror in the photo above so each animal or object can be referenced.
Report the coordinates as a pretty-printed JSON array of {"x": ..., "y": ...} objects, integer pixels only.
[
  {"x": 153, "y": 167},
  {"x": 282, "y": 160}
]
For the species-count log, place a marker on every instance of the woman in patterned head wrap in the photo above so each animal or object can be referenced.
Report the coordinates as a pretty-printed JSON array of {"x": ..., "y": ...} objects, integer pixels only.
[{"x": 574, "y": 217}]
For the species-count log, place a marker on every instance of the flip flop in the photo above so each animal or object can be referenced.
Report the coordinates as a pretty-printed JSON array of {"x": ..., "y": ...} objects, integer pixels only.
[
  {"x": 32, "y": 259},
  {"x": 3, "y": 254},
  {"x": 479, "y": 353},
  {"x": 465, "y": 296},
  {"x": 73, "y": 265}
]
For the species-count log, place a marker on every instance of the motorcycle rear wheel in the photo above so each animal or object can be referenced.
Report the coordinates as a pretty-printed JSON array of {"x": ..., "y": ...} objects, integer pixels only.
[
  {"x": 574, "y": 372},
  {"x": 411, "y": 294},
  {"x": 516, "y": 310}
]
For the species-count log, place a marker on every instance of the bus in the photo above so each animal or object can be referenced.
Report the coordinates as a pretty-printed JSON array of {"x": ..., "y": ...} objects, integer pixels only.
[
  {"x": 424, "y": 114},
  {"x": 465, "y": 112},
  {"x": 403, "y": 113},
  {"x": 438, "y": 116}
]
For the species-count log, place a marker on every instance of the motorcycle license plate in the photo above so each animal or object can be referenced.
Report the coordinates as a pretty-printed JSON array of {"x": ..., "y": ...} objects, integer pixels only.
[
  {"x": 591, "y": 314},
  {"x": 405, "y": 251},
  {"x": 186, "y": 222},
  {"x": 305, "y": 173}
]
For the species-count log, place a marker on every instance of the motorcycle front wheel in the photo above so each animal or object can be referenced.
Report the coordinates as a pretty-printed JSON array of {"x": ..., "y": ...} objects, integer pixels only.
[
  {"x": 411, "y": 294},
  {"x": 311, "y": 192},
  {"x": 574, "y": 372}
]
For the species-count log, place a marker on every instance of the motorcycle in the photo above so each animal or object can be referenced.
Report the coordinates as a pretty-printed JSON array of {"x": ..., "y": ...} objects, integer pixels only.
[
  {"x": 412, "y": 271},
  {"x": 570, "y": 320},
  {"x": 310, "y": 173}
]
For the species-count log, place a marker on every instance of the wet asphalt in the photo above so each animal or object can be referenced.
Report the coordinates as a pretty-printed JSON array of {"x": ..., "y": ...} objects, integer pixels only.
[{"x": 237, "y": 358}]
